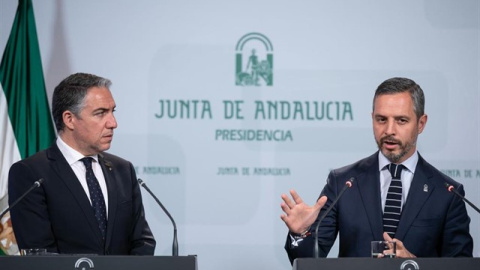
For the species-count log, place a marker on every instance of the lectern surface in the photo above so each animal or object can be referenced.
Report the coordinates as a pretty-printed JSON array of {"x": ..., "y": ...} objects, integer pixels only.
[
  {"x": 64, "y": 262},
  {"x": 387, "y": 264}
]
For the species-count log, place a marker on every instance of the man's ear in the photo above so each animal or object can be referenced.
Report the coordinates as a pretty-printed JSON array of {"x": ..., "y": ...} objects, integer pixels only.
[
  {"x": 422, "y": 122},
  {"x": 68, "y": 119}
]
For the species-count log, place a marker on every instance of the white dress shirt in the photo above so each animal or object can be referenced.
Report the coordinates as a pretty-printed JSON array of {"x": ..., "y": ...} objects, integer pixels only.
[
  {"x": 386, "y": 177},
  {"x": 73, "y": 158}
]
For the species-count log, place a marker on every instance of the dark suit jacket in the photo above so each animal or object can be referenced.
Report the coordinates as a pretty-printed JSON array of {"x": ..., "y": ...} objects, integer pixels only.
[
  {"x": 434, "y": 222},
  {"x": 58, "y": 215}
]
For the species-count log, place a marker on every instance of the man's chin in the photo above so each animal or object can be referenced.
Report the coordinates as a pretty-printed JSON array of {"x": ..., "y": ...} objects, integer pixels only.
[
  {"x": 105, "y": 147},
  {"x": 392, "y": 156}
]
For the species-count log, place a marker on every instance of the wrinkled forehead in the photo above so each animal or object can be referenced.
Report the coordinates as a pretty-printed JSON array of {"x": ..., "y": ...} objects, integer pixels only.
[
  {"x": 99, "y": 97},
  {"x": 393, "y": 104}
]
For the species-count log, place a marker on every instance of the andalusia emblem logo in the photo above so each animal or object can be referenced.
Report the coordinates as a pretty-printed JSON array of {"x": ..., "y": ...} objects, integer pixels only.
[{"x": 254, "y": 61}]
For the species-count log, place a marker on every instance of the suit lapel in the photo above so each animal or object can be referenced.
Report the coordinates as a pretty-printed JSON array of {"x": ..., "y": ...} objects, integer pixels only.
[
  {"x": 108, "y": 172},
  {"x": 417, "y": 196},
  {"x": 65, "y": 173},
  {"x": 369, "y": 187}
]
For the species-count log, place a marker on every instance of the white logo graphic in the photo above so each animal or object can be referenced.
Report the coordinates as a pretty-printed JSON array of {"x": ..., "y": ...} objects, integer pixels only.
[
  {"x": 84, "y": 264},
  {"x": 409, "y": 265}
]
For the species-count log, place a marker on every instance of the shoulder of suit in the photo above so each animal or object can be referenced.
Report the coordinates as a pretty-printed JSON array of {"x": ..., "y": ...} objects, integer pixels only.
[
  {"x": 357, "y": 168},
  {"x": 36, "y": 158},
  {"x": 361, "y": 165},
  {"x": 113, "y": 158},
  {"x": 36, "y": 161},
  {"x": 438, "y": 177}
]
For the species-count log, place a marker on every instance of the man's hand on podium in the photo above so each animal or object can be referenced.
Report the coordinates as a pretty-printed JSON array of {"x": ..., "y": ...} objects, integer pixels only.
[{"x": 402, "y": 252}]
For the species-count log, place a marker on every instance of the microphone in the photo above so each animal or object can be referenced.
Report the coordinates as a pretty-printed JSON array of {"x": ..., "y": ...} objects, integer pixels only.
[
  {"x": 36, "y": 184},
  {"x": 175, "y": 242},
  {"x": 451, "y": 188},
  {"x": 348, "y": 184}
]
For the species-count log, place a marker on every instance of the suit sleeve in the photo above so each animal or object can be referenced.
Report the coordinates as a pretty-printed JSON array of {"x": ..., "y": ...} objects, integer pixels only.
[
  {"x": 30, "y": 218},
  {"x": 327, "y": 232},
  {"x": 142, "y": 240},
  {"x": 457, "y": 241}
]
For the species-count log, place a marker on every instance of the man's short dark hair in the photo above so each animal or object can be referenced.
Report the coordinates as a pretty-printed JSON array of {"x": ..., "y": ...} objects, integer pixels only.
[
  {"x": 401, "y": 85},
  {"x": 69, "y": 95}
]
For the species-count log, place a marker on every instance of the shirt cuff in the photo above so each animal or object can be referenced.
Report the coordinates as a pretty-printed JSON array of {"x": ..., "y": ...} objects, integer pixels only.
[{"x": 295, "y": 240}]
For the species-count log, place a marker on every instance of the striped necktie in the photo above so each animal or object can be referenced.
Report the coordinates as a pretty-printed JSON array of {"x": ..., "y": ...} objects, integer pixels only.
[
  {"x": 96, "y": 196},
  {"x": 393, "y": 204}
]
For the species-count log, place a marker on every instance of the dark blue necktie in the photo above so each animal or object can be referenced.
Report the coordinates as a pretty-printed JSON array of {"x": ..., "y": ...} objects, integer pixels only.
[
  {"x": 96, "y": 196},
  {"x": 393, "y": 204}
]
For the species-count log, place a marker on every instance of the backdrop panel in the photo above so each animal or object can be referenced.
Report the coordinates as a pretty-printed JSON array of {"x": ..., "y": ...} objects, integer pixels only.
[{"x": 224, "y": 105}]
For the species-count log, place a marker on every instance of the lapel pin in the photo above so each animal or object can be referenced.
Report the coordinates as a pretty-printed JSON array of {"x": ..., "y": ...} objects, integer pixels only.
[
  {"x": 425, "y": 188},
  {"x": 108, "y": 165}
]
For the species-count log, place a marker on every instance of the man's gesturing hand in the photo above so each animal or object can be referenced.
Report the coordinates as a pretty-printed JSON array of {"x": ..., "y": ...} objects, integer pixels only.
[{"x": 299, "y": 216}]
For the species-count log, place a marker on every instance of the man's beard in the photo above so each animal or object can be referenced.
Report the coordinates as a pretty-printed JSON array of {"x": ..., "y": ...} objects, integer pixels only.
[{"x": 391, "y": 156}]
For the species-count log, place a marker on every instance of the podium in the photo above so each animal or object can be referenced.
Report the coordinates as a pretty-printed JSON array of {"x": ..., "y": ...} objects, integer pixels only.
[
  {"x": 74, "y": 262},
  {"x": 387, "y": 264}
]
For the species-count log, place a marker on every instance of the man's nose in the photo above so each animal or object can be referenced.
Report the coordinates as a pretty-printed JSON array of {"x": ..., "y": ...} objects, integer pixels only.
[
  {"x": 390, "y": 127},
  {"x": 112, "y": 122}
]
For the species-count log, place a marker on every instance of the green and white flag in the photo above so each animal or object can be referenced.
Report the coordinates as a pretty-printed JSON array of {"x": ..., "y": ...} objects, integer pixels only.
[{"x": 25, "y": 122}]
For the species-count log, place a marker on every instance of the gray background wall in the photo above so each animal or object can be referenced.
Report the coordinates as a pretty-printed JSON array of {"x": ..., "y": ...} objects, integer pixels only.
[{"x": 323, "y": 51}]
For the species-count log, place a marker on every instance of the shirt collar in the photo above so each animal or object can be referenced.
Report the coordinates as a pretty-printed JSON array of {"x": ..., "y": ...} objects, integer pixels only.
[
  {"x": 70, "y": 154},
  {"x": 410, "y": 163}
]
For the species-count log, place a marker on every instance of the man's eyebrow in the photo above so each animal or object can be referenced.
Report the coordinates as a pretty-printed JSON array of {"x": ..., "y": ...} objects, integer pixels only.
[
  {"x": 395, "y": 117},
  {"x": 103, "y": 109},
  {"x": 402, "y": 116}
]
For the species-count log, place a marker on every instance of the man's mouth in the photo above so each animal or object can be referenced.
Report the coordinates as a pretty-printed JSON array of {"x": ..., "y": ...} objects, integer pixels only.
[{"x": 390, "y": 143}]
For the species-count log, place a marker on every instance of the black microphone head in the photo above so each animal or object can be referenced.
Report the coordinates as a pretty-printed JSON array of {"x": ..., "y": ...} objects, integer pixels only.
[
  {"x": 350, "y": 181},
  {"x": 142, "y": 184},
  {"x": 38, "y": 182},
  {"x": 449, "y": 187}
]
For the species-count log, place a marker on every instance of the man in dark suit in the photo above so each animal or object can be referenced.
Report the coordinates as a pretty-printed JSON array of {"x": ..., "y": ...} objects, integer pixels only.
[
  {"x": 90, "y": 201},
  {"x": 429, "y": 222}
]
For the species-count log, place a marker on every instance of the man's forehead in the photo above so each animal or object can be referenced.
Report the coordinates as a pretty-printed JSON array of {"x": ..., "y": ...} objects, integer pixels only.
[
  {"x": 99, "y": 97},
  {"x": 394, "y": 103},
  {"x": 400, "y": 99},
  {"x": 99, "y": 93}
]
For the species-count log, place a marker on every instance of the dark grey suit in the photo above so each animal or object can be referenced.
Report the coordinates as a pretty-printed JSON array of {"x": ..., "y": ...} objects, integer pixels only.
[
  {"x": 434, "y": 222},
  {"x": 58, "y": 215}
]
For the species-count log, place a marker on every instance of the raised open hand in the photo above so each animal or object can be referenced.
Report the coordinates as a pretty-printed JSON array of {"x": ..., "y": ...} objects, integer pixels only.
[{"x": 298, "y": 215}]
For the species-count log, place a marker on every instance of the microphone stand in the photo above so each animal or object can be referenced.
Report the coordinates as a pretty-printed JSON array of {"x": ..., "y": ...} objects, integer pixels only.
[
  {"x": 451, "y": 188},
  {"x": 348, "y": 184},
  {"x": 175, "y": 242},
  {"x": 36, "y": 184}
]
